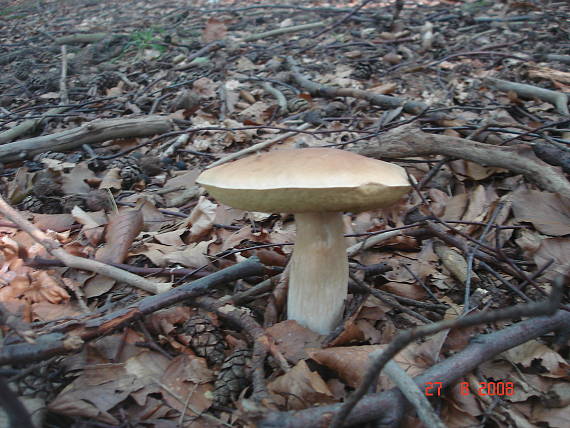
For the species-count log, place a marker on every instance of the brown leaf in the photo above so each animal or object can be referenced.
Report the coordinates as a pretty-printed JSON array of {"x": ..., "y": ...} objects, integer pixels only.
[
  {"x": 301, "y": 388},
  {"x": 202, "y": 218},
  {"x": 540, "y": 357},
  {"x": 292, "y": 339},
  {"x": 187, "y": 378},
  {"x": 215, "y": 30},
  {"x": 112, "y": 179},
  {"x": 548, "y": 212},
  {"x": 76, "y": 181},
  {"x": 554, "y": 418},
  {"x": 556, "y": 249},
  {"x": 122, "y": 230},
  {"x": 194, "y": 255},
  {"x": 97, "y": 285},
  {"x": 55, "y": 222}
]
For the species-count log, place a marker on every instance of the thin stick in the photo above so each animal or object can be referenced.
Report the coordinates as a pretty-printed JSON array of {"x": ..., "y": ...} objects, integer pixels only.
[
  {"x": 412, "y": 392},
  {"x": 257, "y": 146},
  {"x": 63, "y": 96},
  {"x": 545, "y": 307},
  {"x": 53, "y": 247}
]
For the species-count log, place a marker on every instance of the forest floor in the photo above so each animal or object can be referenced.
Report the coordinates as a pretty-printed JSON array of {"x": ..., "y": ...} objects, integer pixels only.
[{"x": 129, "y": 297}]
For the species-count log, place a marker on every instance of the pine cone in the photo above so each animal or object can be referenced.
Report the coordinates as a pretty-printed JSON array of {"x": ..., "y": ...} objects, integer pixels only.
[
  {"x": 296, "y": 105},
  {"x": 233, "y": 377},
  {"x": 106, "y": 80},
  {"x": 129, "y": 176},
  {"x": 150, "y": 165},
  {"x": 23, "y": 69},
  {"x": 31, "y": 203},
  {"x": 130, "y": 170},
  {"x": 50, "y": 155},
  {"x": 46, "y": 184},
  {"x": 45, "y": 82},
  {"x": 51, "y": 206},
  {"x": 124, "y": 162},
  {"x": 38, "y": 205},
  {"x": 206, "y": 341},
  {"x": 363, "y": 70}
]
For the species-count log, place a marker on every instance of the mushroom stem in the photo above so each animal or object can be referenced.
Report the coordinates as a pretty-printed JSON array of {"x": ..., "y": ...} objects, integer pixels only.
[{"x": 318, "y": 279}]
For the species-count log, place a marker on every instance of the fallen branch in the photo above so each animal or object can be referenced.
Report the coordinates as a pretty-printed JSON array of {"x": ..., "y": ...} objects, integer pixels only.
[
  {"x": 16, "y": 412},
  {"x": 545, "y": 307},
  {"x": 558, "y": 99},
  {"x": 53, "y": 247},
  {"x": 28, "y": 125},
  {"x": 78, "y": 331},
  {"x": 81, "y": 38},
  {"x": 286, "y": 30},
  {"x": 413, "y": 394},
  {"x": 409, "y": 141},
  {"x": 96, "y": 131},
  {"x": 385, "y": 101}
]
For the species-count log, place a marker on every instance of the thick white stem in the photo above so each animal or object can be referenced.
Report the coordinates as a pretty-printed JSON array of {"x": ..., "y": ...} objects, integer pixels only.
[{"x": 318, "y": 279}]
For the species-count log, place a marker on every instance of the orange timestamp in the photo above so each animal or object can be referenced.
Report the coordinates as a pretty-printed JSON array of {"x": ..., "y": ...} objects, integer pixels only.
[{"x": 433, "y": 389}]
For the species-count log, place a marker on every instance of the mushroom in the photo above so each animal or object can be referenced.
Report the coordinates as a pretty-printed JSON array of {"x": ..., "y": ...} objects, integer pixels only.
[{"x": 316, "y": 185}]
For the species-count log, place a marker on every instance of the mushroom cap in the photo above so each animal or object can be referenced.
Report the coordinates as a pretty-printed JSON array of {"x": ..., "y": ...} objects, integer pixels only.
[{"x": 306, "y": 180}]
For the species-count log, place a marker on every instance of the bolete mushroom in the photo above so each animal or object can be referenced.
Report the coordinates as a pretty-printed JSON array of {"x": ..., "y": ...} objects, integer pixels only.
[{"x": 317, "y": 185}]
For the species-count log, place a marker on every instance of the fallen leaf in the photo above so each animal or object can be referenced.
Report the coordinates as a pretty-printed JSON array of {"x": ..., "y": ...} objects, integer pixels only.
[
  {"x": 122, "y": 229},
  {"x": 300, "y": 388},
  {"x": 548, "y": 212}
]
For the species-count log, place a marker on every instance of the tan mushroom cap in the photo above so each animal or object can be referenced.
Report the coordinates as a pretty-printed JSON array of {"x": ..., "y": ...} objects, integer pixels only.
[{"x": 306, "y": 180}]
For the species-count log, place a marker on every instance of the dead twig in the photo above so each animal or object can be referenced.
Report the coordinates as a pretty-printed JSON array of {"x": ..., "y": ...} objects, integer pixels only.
[
  {"x": 412, "y": 392},
  {"x": 54, "y": 248},
  {"x": 545, "y": 307},
  {"x": 78, "y": 331},
  {"x": 385, "y": 101},
  {"x": 409, "y": 141},
  {"x": 18, "y": 416},
  {"x": 96, "y": 131},
  {"x": 387, "y": 406},
  {"x": 257, "y": 147},
  {"x": 558, "y": 99}
]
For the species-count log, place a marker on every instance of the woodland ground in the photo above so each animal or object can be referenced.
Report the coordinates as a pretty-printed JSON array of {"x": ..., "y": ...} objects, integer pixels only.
[{"x": 109, "y": 110}]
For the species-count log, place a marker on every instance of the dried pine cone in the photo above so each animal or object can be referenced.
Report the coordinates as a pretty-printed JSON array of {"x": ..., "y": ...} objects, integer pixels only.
[
  {"x": 71, "y": 201},
  {"x": 363, "y": 70},
  {"x": 23, "y": 69},
  {"x": 46, "y": 184},
  {"x": 45, "y": 82},
  {"x": 41, "y": 205},
  {"x": 51, "y": 206},
  {"x": 206, "y": 341},
  {"x": 129, "y": 176},
  {"x": 50, "y": 155},
  {"x": 298, "y": 104},
  {"x": 97, "y": 200},
  {"x": 124, "y": 162},
  {"x": 233, "y": 377},
  {"x": 130, "y": 170},
  {"x": 150, "y": 165},
  {"x": 31, "y": 203},
  {"x": 106, "y": 80}
]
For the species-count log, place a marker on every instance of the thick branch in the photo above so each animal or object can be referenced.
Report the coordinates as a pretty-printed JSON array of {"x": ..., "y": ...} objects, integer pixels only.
[
  {"x": 409, "y": 141},
  {"x": 385, "y": 101},
  {"x": 96, "y": 131},
  {"x": 82, "y": 330}
]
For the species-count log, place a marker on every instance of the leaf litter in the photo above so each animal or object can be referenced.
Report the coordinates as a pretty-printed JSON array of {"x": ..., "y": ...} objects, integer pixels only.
[{"x": 132, "y": 200}]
